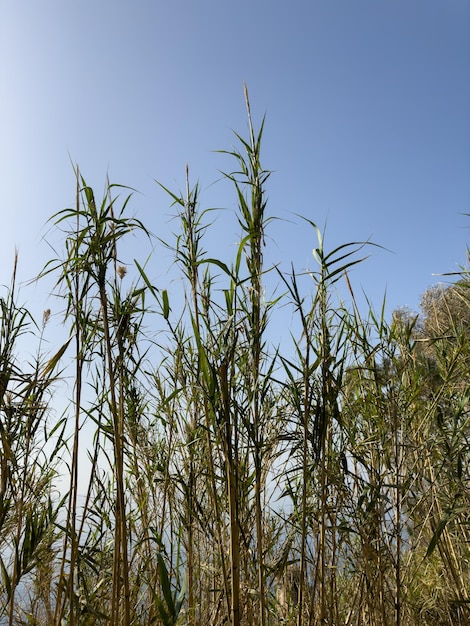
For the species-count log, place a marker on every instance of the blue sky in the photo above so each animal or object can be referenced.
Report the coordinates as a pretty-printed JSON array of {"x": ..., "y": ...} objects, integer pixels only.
[{"x": 367, "y": 108}]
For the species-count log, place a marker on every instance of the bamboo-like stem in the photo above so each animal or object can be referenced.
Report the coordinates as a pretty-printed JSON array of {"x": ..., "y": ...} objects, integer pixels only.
[
  {"x": 398, "y": 523},
  {"x": 121, "y": 567},
  {"x": 306, "y": 407},
  {"x": 255, "y": 264},
  {"x": 20, "y": 511},
  {"x": 77, "y": 308},
  {"x": 192, "y": 427},
  {"x": 191, "y": 259}
]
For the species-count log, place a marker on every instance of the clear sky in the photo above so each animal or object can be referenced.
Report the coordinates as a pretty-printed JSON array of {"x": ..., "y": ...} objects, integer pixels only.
[{"x": 367, "y": 108}]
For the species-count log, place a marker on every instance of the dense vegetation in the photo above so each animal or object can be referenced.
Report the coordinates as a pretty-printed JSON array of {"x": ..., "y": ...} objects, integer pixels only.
[{"x": 228, "y": 481}]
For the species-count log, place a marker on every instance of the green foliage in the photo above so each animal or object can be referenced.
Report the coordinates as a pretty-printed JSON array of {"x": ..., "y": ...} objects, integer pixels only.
[
  {"x": 210, "y": 477},
  {"x": 170, "y": 607}
]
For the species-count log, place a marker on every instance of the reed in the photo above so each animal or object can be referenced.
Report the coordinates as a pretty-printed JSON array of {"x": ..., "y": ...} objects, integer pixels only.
[{"x": 212, "y": 476}]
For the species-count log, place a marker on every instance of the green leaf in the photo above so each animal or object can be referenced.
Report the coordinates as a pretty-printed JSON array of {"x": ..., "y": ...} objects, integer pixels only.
[
  {"x": 166, "y": 620},
  {"x": 180, "y": 598},
  {"x": 165, "y": 585},
  {"x": 437, "y": 534},
  {"x": 51, "y": 364},
  {"x": 166, "y": 304},
  {"x": 6, "y": 578},
  {"x": 153, "y": 290}
]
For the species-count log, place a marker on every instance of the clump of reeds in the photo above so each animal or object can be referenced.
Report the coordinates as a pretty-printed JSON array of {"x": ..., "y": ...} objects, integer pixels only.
[{"x": 213, "y": 477}]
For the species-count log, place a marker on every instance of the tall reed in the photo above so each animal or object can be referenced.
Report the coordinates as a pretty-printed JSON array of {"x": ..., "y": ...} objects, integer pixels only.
[{"x": 214, "y": 477}]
